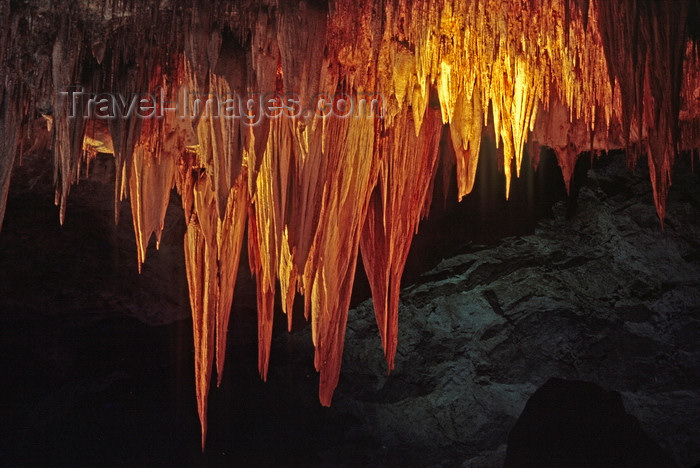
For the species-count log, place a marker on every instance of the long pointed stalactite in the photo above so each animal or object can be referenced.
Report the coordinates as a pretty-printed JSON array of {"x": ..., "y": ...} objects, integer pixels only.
[
  {"x": 407, "y": 165},
  {"x": 313, "y": 190}
]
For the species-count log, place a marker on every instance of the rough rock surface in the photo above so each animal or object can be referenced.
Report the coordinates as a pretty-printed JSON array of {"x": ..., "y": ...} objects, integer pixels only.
[{"x": 605, "y": 296}]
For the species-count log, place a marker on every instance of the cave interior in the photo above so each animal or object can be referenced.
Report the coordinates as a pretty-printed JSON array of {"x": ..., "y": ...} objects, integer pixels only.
[{"x": 350, "y": 232}]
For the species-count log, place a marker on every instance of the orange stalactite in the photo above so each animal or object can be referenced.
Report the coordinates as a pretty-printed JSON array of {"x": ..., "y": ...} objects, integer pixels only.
[
  {"x": 330, "y": 271},
  {"x": 212, "y": 253},
  {"x": 573, "y": 75},
  {"x": 465, "y": 130},
  {"x": 285, "y": 155},
  {"x": 307, "y": 178},
  {"x": 220, "y": 144},
  {"x": 230, "y": 233},
  {"x": 269, "y": 206},
  {"x": 265, "y": 295},
  {"x": 200, "y": 260},
  {"x": 408, "y": 164},
  {"x": 152, "y": 178},
  {"x": 151, "y": 165}
]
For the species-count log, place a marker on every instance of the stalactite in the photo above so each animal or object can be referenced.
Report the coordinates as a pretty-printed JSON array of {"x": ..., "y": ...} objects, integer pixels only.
[
  {"x": 125, "y": 134},
  {"x": 302, "y": 38},
  {"x": 212, "y": 252},
  {"x": 649, "y": 74},
  {"x": 572, "y": 75},
  {"x": 269, "y": 205},
  {"x": 465, "y": 130},
  {"x": 230, "y": 233},
  {"x": 69, "y": 131},
  {"x": 151, "y": 179},
  {"x": 330, "y": 271},
  {"x": 200, "y": 260},
  {"x": 408, "y": 163}
]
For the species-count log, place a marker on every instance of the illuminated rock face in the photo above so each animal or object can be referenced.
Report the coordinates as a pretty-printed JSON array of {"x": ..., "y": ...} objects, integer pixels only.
[{"x": 574, "y": 75}]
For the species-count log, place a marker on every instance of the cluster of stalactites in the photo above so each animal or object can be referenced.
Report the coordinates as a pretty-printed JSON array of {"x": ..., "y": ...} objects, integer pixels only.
[{"x": 574, "y": 75}]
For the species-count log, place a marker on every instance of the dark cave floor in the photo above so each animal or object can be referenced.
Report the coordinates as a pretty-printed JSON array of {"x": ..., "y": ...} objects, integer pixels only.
[{"x": 98, "y": 360}]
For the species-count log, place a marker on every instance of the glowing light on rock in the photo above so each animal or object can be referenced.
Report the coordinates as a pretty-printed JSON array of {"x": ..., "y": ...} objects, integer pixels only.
[{"x": 574, "y": 75}]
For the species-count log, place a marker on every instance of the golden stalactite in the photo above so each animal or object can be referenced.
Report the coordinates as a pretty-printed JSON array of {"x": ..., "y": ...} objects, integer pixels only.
[
  {"x": 330, "y": 270},
  {"x": 152, "y": 168},
  {"x": 269, "y": 207},
  {"x": 307, "y": 178},
  {"x": 572, "y": 75},
  {"x": 220, "y": 144},
  {"x": 224, "y": 200},
  {"x": 212, "y": 254},
  {"x": 465, "y": 130}
]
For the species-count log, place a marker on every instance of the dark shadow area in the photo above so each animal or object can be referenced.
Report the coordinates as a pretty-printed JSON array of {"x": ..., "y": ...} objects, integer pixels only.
[{"x": 575, "y": 423}]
